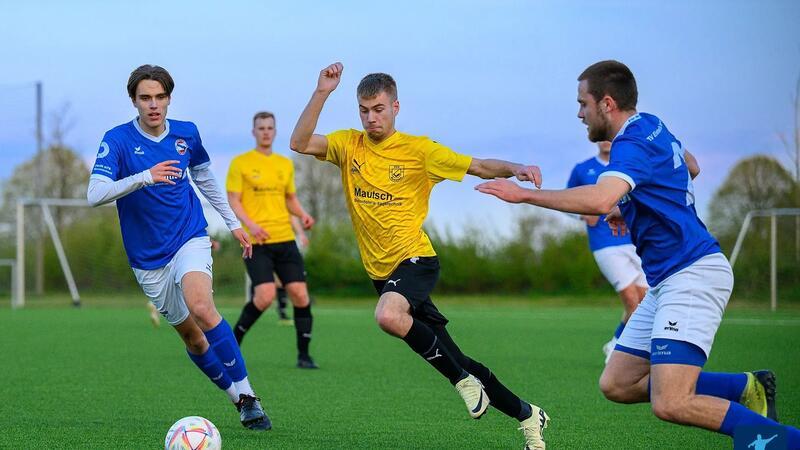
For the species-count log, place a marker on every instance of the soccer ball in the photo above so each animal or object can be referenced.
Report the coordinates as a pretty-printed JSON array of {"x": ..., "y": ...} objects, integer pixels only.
[{"x": 193, "y": 433}]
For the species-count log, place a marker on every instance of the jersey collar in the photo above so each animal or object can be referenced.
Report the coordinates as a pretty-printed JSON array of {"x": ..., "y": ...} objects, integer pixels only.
[
  {"x": 630, "y": 120},
  {"x": 149, "y": 136}
]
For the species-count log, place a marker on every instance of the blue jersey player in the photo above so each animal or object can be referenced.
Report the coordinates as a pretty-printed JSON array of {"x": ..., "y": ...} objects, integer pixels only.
[
  {"x": 615, "y": 255},
  {"x": 661, "y": 353},
  {"x": 145, "y": 165}
]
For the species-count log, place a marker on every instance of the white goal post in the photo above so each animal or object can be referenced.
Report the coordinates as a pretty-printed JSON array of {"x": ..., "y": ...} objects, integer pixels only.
[
  {"x": 47, "y": 205},
  {"x": 773, "y": 214}
]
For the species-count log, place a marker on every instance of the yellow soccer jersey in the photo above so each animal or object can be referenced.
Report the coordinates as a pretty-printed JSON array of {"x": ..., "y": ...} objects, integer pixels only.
[
  {"x": 387, "y": 188},
  {"x": 264, "y": 182}
]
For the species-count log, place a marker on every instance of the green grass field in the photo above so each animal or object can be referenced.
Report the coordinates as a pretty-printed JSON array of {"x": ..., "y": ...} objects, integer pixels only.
[{"x": 102, "y": 377}]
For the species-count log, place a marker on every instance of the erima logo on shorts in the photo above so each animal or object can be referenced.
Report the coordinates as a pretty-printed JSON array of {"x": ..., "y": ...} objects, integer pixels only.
[{"x": 671, "y": 326}]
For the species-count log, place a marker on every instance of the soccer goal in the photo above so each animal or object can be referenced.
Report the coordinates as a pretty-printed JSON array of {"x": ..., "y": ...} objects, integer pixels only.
[
  {"x": 773, "y": 215},
  {"x": 66, "y": 248}
]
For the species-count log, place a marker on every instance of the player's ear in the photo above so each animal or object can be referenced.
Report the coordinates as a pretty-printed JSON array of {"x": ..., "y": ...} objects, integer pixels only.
[
  {"x": 608, "y": 104},
  {"x": 396, "y": 107}
]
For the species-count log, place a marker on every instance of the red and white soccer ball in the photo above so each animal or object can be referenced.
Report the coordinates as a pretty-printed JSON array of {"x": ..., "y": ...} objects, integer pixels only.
[{"x": 193, "y": 433}]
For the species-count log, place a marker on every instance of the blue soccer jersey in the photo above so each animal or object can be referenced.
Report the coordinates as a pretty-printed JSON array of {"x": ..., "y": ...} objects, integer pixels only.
[
  {"x": 155, "y": 220},
  {"x": 600, "y": 235},
  {"x": 659, "y": 210}
]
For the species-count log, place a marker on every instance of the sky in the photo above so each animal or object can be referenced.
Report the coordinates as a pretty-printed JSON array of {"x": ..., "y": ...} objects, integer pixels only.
[{"x": 492, "y": 79}]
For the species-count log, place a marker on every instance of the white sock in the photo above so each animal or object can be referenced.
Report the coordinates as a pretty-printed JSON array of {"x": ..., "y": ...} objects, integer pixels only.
[
  {"x": 233, "y": 394},
  {"x": 243, "y": 387}
]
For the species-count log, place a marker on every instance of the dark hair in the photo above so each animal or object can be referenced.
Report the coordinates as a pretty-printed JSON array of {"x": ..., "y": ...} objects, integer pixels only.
[
  {"x": 614, "y": 79},
  {"x": 263, "y": 115},
  {"x": 148, "y": 72},
  {"x": 375, "y": 83}
]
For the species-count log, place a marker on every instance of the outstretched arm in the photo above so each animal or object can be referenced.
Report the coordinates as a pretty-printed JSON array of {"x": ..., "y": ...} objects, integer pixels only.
[
  {"x": 495, "y": 168},
  {"x": 594, "y": 199},
  {"x": 303, "y": 139}
]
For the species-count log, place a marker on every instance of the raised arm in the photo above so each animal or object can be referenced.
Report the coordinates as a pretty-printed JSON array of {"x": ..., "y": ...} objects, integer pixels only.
[
  {"x": 593, "y": 199},
  {"x": 495, "y": 168},
  {"x": 303, "y": 139}
]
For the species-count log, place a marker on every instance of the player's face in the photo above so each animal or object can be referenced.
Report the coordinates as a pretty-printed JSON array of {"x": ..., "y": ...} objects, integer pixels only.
[
  {"x": 377, "y": 116},
  {"x": 151, "y": 101},
  {"x": 264, "y": 132},
  {"x": 591, "y": 114}
]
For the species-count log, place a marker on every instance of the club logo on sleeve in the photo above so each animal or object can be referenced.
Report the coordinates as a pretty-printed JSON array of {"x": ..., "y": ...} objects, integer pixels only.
[
  {"x": 181, "y": 146},
  {"x": 104, "y": 150},
  {"x": 396, "y": 173}
]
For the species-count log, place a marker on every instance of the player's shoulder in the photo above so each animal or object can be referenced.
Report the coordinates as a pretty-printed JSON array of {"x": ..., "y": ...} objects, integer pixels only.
[
  {"x": 182, "y": 127},
  {"x": 119, "y": 132},
  {"x": 592, "y": 161},
  {"x": 242, "y": 157},
  {"x": 283, "y": 159}
]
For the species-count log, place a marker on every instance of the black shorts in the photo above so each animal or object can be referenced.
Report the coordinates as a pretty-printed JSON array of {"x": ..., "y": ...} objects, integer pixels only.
[
  {"x": 415, "y": 279},
  {"x": 282, "y": 258}
]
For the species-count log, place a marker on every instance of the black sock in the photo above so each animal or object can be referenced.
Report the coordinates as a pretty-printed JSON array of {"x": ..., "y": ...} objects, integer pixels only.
[
  {"x": 302, "y": 326},
  {"x": 500, "y": 396},
  {"x": 422, "y": 340},
  {"x": 250, "y": 313},
  {"x": 282, "y": 303}
]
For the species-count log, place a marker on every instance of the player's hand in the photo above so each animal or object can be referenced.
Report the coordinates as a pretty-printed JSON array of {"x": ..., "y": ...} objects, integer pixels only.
[
  {"x": 304, "y": 240},
  {"x": 590, "y": 220},
  {"x": 503, "y": 189},
  {"x": 165, "y": 172},
  {"x": 616, "y": 222},
  {"x": 329, "y": 77},
  {"x": 307, "y": 221},
  {"x": 259, "y": 234},
  {"x": 529, "y": 173},
  {"x": 241, "y": 236}
]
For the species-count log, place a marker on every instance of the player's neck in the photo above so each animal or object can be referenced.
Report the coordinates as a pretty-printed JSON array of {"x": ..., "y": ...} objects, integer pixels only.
[
  {"x": 264, "y": 150},
  {"x": 605, "y": 157},
  {"x": 152, "y": 131},
  {"x": 618, "y": 121}
]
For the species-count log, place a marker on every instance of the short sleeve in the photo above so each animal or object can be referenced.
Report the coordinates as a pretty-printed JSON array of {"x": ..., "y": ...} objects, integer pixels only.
[
  {"x": 337, "y": 147},
  {"x": 233, "y": 182},
  {"x": 574, "y": 178},
  {"x": 290, "y": 187},
  {"x": 442, "y": 163},
  {"x": 199, "y": 155},
  {"x": 109, "y": 159},
  {"x": 630, "y": 162}
]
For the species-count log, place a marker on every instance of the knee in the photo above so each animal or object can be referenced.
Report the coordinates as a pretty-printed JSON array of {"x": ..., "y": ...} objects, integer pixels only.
[
  {"x": 298, "y": 295},
  {"x": 206, "y": 316},
  {"x": 263, "y": 299},
  {"x": 612, "y": 389},
  {"x": 386, "y": 319},
  {"x": 195, "y": 342},
  {"x": 670, "y": 409}
]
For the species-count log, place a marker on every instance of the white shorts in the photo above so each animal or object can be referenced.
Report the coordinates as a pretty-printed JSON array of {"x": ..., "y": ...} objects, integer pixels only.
[
  {"x": 621, "y": 266},
  {"x": 163, "y": 286},
  {"x": 687, "y": 306}
]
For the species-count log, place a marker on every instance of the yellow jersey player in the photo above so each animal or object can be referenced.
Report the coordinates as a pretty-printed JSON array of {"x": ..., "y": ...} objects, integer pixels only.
[
  {"x": 387, "y": 178},
  {"x": 262, "y": 193}
]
